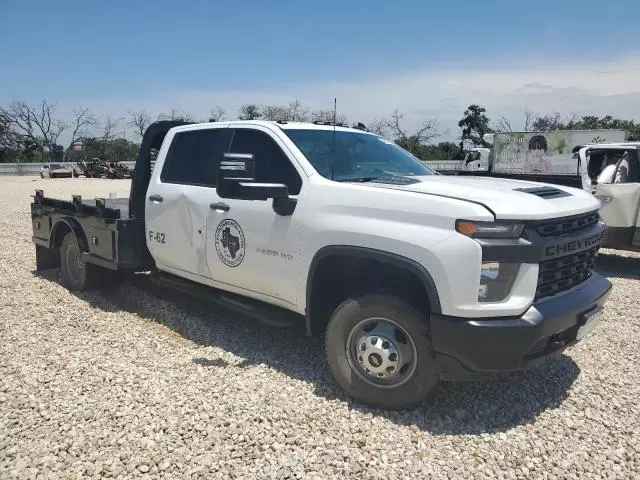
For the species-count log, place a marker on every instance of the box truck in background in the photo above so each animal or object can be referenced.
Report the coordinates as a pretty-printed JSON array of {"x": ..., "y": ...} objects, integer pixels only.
[{"x": 541, "y": 156}]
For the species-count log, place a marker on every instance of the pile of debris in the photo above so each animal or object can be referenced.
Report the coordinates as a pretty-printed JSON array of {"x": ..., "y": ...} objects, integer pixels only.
[{"x": 97, "y": 168}]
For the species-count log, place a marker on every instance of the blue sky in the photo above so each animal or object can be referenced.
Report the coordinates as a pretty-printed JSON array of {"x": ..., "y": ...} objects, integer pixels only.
[{"x": 160, "y": 55}]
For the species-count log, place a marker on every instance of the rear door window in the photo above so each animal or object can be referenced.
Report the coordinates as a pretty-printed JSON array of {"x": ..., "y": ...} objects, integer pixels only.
[{"x": 192, "y": 157}]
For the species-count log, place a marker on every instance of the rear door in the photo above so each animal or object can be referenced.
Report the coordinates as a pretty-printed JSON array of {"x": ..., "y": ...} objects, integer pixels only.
[{"x": 178, "y": 198}]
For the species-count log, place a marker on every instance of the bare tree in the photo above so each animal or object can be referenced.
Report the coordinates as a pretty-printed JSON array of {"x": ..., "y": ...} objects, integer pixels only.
[
  {"x": 298, "y": 112},
  {"x": 139, "y": 121},
  {"x": 503, "y": 125},
  {"x": 108, "y": 128},
  {"x": 9, "y": 138},
  {"x": 528, "y": 119},
  {"x": 83, "y": 120},
  {"x": 217, "y": 114},
  {"x": 176, "y": 115},
  {"x": 36, "y": 124},
  {"x": 326, "y": 116},
  {"x": 574, "y": 119},
  {"x": 275, "y": 113},
  {"x": 547, "y": 123},
  {"x": 379, "y": 126},
  {"x": 412, "y": 141}
]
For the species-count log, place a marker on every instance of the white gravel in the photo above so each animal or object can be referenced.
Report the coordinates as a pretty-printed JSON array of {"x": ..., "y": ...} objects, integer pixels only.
[{"x": 124, "y": 384}]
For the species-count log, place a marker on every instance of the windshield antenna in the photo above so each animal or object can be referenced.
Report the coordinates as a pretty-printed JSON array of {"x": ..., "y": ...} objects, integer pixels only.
[{"x": 333, "y": 147}]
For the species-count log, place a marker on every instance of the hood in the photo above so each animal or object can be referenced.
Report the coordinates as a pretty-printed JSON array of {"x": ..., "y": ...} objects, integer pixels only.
[{"x": 506, "y": 198}]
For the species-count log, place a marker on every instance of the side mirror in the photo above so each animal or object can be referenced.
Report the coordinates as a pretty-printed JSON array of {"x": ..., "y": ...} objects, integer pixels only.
[{"x": 236, "y": 178}]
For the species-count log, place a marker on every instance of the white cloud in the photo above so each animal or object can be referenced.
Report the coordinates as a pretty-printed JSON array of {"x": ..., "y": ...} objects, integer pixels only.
[{"x": 599, "y": 87}]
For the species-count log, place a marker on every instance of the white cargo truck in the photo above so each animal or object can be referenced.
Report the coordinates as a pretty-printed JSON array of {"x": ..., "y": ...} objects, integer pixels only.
[{"x": 541, "y": 156}]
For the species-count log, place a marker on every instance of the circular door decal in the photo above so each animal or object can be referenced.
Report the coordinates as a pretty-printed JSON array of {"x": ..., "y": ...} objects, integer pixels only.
[{"x": 230, "y": 243}]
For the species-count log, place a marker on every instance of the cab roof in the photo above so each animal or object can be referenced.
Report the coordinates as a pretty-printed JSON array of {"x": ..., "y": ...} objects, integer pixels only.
[{"x": 360, "y": 128}]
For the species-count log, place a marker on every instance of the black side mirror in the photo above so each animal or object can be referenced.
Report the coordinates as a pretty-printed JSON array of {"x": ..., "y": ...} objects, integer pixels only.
[{"x": 236, "y": 178}]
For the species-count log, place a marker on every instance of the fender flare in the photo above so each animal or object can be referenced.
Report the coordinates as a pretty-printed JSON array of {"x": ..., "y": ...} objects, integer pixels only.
[
  {"x": 75, "y": 227},
  {"x": 373, "y": 254}
]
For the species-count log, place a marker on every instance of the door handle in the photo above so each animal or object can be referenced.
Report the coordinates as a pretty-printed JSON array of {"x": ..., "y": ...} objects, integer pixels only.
[
  {"x": 155, "y": 198},
  {"x": 219, "y": 206}
]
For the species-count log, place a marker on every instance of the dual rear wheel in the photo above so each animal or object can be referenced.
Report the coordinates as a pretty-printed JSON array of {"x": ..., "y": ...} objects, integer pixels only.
[{"x": 78, "y": 274}]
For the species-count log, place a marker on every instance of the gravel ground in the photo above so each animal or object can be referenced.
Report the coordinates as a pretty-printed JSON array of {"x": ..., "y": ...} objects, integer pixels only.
[{"x": 126, "y": 384}]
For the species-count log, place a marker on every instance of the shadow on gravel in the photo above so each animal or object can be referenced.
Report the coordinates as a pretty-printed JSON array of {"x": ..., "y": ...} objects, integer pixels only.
[
  {"x": 618, "y": 266},
  {"x": 495, "y": 405}
]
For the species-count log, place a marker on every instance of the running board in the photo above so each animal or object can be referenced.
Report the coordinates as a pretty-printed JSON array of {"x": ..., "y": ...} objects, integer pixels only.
[{"x": 266, "y": 314}]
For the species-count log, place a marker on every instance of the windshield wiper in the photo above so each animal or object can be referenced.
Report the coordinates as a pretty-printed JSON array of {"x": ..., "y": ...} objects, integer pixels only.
[
  {"x": 385, "y": 179},
  {"x": 359, "y": 179}
]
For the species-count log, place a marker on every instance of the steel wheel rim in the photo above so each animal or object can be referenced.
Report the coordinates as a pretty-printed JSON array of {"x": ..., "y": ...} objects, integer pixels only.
[
  {"x": 381, "y": 352},
  {"x": 75, "y": 266}
]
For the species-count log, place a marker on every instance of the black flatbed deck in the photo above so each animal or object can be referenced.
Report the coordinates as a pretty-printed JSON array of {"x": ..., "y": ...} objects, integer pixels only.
[{"x": 109, "y": 237}]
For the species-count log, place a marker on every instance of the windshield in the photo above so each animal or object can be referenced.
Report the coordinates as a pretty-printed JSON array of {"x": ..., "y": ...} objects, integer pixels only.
[{"x": 357, "y": 156}]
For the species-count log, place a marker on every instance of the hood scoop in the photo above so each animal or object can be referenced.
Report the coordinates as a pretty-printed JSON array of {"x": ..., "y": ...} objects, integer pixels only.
[{"x": 544, "y": 192}]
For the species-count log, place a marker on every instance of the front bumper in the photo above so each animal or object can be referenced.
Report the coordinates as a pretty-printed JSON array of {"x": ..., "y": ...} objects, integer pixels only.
[{"x": 467, "y": 348}]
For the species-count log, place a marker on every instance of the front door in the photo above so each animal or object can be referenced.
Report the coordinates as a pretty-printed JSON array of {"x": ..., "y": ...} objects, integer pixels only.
[
  {"x": 178, "y": 198},
  {"x": 620, "y": 203},
  {"x": 251, "y": 249}
]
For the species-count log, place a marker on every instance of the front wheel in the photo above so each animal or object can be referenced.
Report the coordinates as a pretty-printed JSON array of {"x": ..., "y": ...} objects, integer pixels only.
[{"x": 379, "y": 352}]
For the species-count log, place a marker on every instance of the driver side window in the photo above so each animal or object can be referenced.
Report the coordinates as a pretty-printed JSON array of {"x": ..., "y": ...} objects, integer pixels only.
[{"x": 272, "y": 165}]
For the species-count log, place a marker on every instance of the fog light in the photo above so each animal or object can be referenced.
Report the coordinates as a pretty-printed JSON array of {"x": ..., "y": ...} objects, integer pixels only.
[{"x": 496, "y": 280}]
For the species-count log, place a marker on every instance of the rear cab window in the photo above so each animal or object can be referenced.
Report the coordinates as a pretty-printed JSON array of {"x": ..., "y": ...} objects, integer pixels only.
[{"x": 192, "y": 157}]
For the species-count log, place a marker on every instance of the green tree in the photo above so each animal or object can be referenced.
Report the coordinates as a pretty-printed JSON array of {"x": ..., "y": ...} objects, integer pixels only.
[
  {"x": 442, "y": 151},
  {"x": 590, "y": 122},
  {"x": 474, "y": 125},
  {"x": 249, "y": 112}
]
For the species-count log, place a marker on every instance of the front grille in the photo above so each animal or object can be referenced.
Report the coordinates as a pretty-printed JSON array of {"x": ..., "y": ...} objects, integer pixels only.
[
  {"x": 564, "y": 273},
  {"x": 567, "y": 225}
]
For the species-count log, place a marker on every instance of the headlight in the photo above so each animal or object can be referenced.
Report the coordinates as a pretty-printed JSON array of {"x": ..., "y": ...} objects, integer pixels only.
[
  {"x": 489, "y": 229},
  {"x": 496, "y": 280}
]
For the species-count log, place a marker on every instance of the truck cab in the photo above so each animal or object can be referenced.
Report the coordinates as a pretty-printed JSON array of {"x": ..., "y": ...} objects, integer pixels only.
[
  {"x": 611, "y": 172},
  {"x": 477, "y": 159}
]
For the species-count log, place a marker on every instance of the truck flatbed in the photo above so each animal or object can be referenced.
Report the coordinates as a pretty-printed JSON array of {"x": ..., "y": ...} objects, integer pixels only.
[{"x": 111, "y": 238}]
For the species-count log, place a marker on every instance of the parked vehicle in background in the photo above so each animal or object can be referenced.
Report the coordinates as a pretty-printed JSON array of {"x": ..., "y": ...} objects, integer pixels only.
[
  {"x": 410, "y": 277},
  {"x": 96, "y": 168},
  {"x": 539, "y": 156},
  {"x": 611, "y": 171},
  {"x": 56, "y": 170}
]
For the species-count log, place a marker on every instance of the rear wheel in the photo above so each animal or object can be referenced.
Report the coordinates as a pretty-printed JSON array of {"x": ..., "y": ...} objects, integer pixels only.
[
  {"x": 78, "y": 274},
  {"x": 379, "y": 352}
]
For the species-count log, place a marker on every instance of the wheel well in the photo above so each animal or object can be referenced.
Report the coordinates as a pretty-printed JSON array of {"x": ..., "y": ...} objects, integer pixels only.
[
  {"x": 340, "y": 276},
  {"x": 58, "y": 234}
]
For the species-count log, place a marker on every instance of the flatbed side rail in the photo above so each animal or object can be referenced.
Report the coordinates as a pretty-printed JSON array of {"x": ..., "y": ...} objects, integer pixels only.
[{"x": 76, "y": 206}]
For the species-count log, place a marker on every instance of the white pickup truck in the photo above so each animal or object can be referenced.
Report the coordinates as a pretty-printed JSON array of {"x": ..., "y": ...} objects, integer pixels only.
[{"x": 410, "y": 276}]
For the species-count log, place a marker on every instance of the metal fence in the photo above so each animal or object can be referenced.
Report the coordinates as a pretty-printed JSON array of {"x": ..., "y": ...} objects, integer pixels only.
[
  {"x": 445, "y": 165},
  {"x": 18, "y": 169}
]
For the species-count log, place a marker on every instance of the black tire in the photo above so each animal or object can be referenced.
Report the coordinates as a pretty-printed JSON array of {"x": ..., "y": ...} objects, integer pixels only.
[
  {"x": 79, "y": 275},
  {"x": 420, "y": 377}
]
